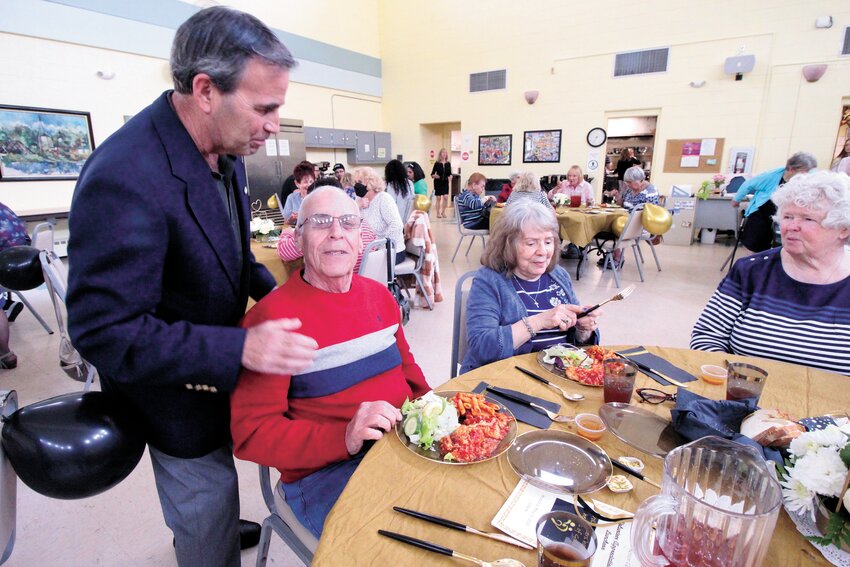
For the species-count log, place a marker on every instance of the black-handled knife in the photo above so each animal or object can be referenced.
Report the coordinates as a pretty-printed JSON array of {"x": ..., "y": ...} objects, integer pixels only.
[
  {"x": 550, "y": 414},
  {"x": 421, "y": 544},
  {"x": 533, "y": 375},
  {"x": 461, "y": 527}
]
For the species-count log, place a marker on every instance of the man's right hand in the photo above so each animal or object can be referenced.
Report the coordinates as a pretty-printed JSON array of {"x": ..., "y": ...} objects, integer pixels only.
[
  {"x": 370, "y": 422},
  {"x": 273, "y": 348}
]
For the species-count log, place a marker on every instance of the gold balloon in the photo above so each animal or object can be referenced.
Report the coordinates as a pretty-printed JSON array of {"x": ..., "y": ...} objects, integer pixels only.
[
  {"x": 656, "y": 219},
  {"x": 422, "y": 203},
  {"x": 272, "y": 202},
  {"x": 619, "y": 224}
]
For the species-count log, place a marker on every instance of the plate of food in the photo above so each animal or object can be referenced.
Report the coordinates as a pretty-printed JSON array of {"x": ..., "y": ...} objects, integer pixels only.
[
  {"x": 458, "y": 428},
  {"x": 582, "y": 365}
]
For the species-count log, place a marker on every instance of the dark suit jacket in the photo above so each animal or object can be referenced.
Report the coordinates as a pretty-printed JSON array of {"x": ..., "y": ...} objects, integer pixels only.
[{"x": 155, "y": 285}]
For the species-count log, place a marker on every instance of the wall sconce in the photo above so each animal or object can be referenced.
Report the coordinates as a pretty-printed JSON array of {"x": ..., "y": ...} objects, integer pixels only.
[
  {"x": 813, "y": 73},
  {"x": 106, "y": 75},
  {"x": 531, "y": 96},
  {"x": 697, "y": 84}
]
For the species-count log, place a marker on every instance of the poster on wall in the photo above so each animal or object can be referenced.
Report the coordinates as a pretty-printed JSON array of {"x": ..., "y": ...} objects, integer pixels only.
[
  {"x": 541, "y": 146},
  {"x": 42, "y": 143},
  {"x": 741, "y": 160},
  {"x": 494, "y": 150}
]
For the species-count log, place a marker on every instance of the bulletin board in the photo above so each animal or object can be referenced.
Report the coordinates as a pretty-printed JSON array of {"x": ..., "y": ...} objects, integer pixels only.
[{"x": 673, "y": 157}]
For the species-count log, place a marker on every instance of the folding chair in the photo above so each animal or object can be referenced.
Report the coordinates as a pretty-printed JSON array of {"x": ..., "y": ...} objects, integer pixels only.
[
  {"x": 464, "y": 232},
  {"x": 283, "y": 522},
  {"x": 412, "y": 265},
  {"x": 459, "y": 326},
  {"x": 373, "y": 264},
  {"x": 8, "y": 483},
  {"x": 70, "y": 360},
  {"x": 630, "y": 237}
]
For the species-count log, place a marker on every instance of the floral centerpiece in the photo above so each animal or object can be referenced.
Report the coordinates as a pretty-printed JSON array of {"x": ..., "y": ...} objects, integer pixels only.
[
  {"x": 561, "y": 200},
  {"x": 718, "y": 179},
  {"x": 815, "y": 480},
  {"x": 263, "y": 229}
]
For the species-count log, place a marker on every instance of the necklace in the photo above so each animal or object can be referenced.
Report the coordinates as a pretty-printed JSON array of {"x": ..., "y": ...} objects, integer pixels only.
[{"x": 525, "y": 291}]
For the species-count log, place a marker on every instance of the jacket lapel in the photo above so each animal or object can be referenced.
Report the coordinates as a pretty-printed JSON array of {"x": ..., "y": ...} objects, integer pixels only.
[{"x": 204, "y": 203}]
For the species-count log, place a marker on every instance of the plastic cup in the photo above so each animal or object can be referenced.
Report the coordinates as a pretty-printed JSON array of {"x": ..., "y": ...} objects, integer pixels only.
[
  {"x": 564, "y": 540},
  {"x": 744, "y": 381},
  {"x": 618, "y": 380},
  {"x": 590, "y": 426},
  {"x": 712, "y": 374}
]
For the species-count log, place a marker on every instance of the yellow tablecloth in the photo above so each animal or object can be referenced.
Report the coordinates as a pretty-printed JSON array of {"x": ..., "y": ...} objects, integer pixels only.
[
  {"x": 266, "y": 254},
  {"x": 391, "y": 475},
  {"x": 578, "y": 226}
]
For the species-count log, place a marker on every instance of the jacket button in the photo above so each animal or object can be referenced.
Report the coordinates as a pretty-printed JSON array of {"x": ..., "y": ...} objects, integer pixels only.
[
  {"x": 188, "y": 386},
  {"x": 213, "y": 389}
]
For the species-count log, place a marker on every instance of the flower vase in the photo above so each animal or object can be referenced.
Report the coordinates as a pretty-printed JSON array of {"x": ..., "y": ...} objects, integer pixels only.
[{"x": 822, "y": 515}]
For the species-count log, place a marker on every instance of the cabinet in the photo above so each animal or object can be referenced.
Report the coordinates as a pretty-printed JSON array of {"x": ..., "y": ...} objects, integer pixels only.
[
  {"x": 363, "y": 146},
  {"x": 364, "y": 150}
]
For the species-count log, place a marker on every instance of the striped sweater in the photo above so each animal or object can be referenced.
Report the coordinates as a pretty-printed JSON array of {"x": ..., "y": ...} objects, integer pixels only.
[
  {"x": 297, "y": 423},
  {"x": 758, "y": 310}
]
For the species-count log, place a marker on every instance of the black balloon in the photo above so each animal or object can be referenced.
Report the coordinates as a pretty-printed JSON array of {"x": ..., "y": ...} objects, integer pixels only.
[
  {"x": 20, "y": 268},
  {"x": 72, "y": 446}
]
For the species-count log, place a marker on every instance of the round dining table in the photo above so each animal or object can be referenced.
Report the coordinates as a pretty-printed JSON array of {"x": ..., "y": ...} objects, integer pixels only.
[{"x": 392, "y": 475}]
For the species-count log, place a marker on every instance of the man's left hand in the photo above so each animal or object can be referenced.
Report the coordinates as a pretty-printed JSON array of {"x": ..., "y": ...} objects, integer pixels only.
[{"x": 370, "y": 422}]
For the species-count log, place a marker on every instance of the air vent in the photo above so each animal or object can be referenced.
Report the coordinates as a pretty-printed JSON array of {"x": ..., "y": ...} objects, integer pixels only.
[
  {"x": 641, "y": 62},
  {"x": 846, "y": 49},
  {"x": 488, "y": 81}
]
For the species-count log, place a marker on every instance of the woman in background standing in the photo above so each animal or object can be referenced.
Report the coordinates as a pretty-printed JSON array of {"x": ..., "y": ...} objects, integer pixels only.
[
  {"x": 441, "y": 173},
  {"x": 417, "y": 176},
  {"x": 842, "y": 160},
  {"x": 399, "y": 187}
]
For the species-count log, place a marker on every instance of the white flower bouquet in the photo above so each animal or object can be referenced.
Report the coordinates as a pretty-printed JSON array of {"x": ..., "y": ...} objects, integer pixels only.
[
  {"x": 561, "y": 199},
  {"x": 263, "y": 228},
  {"x": 815, "y": 481}
]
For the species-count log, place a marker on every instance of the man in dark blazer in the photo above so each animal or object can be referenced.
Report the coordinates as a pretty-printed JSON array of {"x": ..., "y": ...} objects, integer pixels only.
[{"x": 161, "y": 269}]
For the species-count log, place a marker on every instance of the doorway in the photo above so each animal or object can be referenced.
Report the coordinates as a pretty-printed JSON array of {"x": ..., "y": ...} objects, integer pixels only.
[{"x": 635, "y": 132}]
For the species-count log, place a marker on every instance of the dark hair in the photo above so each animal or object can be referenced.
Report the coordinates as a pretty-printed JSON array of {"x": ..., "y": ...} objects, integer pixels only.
[
  {"x": 418, "y": 173},
  {"x": 396, "y": 175},
  {"x": 302, "y": 169},
  {"x": 220, "y": 42},
  {"x": 328, "y": 180}
]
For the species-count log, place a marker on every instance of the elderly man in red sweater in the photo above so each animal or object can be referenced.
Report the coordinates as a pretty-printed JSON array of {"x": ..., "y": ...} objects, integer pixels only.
[{"x": 316, "y": 426}]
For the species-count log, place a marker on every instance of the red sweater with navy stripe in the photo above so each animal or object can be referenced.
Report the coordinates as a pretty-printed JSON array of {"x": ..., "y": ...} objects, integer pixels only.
[{"x": 297, "y": 423}]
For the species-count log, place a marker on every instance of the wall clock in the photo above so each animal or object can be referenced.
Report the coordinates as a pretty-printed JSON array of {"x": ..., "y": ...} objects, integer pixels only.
[{"x": 596, "y": 137}]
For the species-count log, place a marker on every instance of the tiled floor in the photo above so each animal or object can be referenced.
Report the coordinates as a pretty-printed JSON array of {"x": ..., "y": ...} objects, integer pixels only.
[{"x": 124, "y": 526}]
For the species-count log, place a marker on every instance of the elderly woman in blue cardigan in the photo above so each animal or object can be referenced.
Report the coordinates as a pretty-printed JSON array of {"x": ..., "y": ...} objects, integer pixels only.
[{"x": 521, "y": 300}]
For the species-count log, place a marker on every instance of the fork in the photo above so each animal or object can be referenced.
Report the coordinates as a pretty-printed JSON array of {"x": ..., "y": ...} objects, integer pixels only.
[{"x": 620, "y": 296}]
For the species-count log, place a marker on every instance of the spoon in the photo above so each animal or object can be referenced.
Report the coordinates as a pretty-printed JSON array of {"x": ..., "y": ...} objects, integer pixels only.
[
  {"x": 427, "y": 545},
  {"x": 567, "y": 395},
  {"x": 550, "y": 414}
]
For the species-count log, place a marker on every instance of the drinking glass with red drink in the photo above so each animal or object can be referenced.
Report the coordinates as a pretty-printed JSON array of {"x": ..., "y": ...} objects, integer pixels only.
[
  {"x": 564, "y": 540},
  {"x": 744, "y": 381},
  {"x": 618, "y": 379},
  {"x": 575, "y": 201}
]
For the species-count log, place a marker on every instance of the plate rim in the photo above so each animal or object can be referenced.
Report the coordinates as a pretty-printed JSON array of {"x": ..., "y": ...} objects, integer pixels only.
[
  {"x": 641, "y": 411},
  {"x": 551, "y": 487},
  {"x": 422, "y": 453}
]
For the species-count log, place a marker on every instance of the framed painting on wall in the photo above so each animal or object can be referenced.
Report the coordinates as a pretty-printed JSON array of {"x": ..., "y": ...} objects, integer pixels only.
[
  {"x": 541, "y": 146},
  {"x": 741, "y": 160},
  {"x": 494, "y": 150},
  {"x": 43, "y": 143}
]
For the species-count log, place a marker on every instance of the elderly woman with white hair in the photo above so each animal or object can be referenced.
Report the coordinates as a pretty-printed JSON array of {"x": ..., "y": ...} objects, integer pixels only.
[
  {"x": 638, "y": 190},
  {"x": 508, "y": 188},
  {"x": 791, "y": 303},
  {"x": 521, "y": 299},
  {"x": 528, "y": 188}
]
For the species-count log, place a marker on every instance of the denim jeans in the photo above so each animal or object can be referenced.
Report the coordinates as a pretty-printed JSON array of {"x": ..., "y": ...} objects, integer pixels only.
[{"x": 312, "y": 497}]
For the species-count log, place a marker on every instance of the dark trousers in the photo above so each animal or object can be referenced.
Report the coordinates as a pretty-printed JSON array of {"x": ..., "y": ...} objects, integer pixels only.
[{"x": 757, "y": 233}]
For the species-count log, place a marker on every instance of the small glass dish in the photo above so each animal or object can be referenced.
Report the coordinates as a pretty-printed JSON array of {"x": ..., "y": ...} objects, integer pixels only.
[
  {"x": 590, "y": 426},
  {"x": 713, "y": 374}
]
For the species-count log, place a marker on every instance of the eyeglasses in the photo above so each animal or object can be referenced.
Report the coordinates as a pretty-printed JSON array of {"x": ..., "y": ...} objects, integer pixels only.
[
  {"x": 322, "y": 221},
  {"x": 653, "y": 396}
]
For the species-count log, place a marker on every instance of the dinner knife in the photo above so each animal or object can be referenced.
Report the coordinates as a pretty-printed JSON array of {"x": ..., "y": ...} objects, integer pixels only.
[
  {"x": 461, "y": 527},
  {"x": 645, "y": 369},
  {"x": 550, "y": 414}
]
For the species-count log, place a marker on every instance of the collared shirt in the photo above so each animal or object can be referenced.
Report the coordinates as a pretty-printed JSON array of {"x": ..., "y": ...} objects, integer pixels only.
[{"x": 647, "y": 195}]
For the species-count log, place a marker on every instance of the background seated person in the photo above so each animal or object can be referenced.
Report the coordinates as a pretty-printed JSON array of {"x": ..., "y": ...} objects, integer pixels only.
[
  {"x": 528, "y": 187},
  {"x": 313, "y": 426},
  {"x": 521, "y": 300},
  {"x": 757, "y": 234},
  {"x": 287, "y": 247},
  {"x": 574, "y": 184},
  {"x": 289, "y": 183},
  {"x": 790, "y": 303},
  {"x": 304, "y": 178},
  {"x": 508, "y": 188},
  {"x": 417, "y": 176},
  {"x": 638, "y": 189},
  {"x": 475, "y": 211},
  {"x": 379, "y": 210}
]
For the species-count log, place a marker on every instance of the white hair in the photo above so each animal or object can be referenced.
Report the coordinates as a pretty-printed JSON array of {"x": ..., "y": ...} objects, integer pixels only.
[{"x": 818, "y": 191}]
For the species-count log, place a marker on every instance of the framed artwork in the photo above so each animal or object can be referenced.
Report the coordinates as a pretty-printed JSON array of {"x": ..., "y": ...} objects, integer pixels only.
[
  {"x": 541, "y": 146},
  {"x": 494, "y": 150},
  {"x": 741, "y": 160},
  {"x": 42, "y": 143}
]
